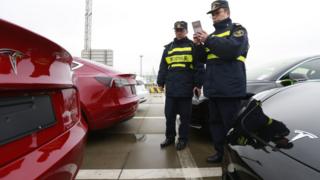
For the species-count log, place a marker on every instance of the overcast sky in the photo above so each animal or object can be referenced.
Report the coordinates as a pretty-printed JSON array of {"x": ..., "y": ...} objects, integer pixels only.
[{"x": 277, "y": 28}]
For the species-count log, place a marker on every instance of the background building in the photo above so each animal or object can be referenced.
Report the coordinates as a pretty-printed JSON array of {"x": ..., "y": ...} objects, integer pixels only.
[{"x": 104, "y": 56}]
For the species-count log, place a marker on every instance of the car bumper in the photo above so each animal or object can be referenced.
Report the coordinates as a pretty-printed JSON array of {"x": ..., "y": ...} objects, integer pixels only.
[
  {"x": 143, "y": 96},
  {"x": 143, "y": 99},
  {"x": 60, "y": 158},
  {"x": 115, "y": 114}
]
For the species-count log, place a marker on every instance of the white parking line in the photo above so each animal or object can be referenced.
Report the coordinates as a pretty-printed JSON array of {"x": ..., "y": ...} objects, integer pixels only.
[
  {"x": 186, "y": 161},
  {"x": 98, "y": 174},
  {"x": 149, "y": 173}
]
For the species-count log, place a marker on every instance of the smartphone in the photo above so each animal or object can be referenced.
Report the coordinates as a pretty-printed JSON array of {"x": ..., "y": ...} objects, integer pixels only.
[{"x": 197, "y": 26}]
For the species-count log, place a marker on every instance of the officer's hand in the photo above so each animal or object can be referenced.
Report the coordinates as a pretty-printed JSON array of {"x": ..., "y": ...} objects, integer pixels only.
[
  {"x": 196, "y": 39},
  {"x": 202, "y": 36}
]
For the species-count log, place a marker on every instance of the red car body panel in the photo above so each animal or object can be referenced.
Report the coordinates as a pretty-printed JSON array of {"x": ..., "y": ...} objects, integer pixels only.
[
  {"x": 33, "y": 67},
  {"x": 40, "y": 59},
  {"x": 58, "y": 159},
  {"x": 104, "y": 105}
]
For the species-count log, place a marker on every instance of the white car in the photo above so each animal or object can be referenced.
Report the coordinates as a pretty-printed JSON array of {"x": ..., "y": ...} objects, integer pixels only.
[{"x": 141, "y": 90}]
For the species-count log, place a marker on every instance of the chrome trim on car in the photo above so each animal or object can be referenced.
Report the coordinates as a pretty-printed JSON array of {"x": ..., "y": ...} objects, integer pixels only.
[
  {"x": 79, "y": 65},
  {"x": 302, "y": 134},
  {"x": 13, "y": 54}
]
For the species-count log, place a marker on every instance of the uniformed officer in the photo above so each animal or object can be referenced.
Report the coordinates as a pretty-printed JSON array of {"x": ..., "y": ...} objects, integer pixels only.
[
  {"x": 225, "y": 80},
  {"x": 179, "y": 73}
]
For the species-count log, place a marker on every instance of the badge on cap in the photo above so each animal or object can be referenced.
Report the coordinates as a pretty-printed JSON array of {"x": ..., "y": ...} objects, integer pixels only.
[{"x": 215, "y": 5}]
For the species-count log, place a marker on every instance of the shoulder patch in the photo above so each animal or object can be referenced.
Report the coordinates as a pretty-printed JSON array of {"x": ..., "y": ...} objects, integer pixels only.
[{"x": 238, "y": 33}]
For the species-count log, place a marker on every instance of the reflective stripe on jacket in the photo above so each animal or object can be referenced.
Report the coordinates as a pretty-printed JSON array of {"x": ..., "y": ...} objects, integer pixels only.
[{"x": 179, "y": 70}]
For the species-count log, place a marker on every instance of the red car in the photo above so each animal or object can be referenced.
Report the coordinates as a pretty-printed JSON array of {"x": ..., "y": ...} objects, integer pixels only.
[
  {"x": 107, "y": 96},
  {"x": 42, "y": 134}
]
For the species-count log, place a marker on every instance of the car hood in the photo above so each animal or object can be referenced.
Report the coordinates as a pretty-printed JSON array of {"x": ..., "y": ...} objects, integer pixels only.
[
  {"x": 253, "y": 87},
  {"x": 297, "y": 107}
]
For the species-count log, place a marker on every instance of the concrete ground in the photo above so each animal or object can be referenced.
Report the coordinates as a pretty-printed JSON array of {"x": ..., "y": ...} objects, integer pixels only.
[{"x": 131, "y": 150}]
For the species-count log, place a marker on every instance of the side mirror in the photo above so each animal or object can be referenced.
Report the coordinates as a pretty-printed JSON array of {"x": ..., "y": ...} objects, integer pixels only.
[
  {"x": 293, "y": 78},
  {"x": 287, "y": 82}
]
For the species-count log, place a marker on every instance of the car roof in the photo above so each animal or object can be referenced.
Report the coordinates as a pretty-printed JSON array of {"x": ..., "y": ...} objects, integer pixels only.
[{"x": 295, "y": 62}]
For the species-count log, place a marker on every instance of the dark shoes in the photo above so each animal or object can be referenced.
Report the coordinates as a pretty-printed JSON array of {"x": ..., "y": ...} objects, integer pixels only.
[
  {"x": 217, "y": 158},
  {"x": 181, "y": 145},
  {"x": 167, "y": 142}
]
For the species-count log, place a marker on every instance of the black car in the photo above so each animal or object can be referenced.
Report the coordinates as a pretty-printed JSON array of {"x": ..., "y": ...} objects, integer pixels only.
[
  {"x": 277, "y": 136},
  {"x": 265, "y": 76}
]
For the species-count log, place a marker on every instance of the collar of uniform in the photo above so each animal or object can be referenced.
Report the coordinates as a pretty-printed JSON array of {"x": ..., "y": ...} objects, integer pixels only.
[
  {"x": 183, "y": 40},
  {"x": 223, "y": 24}
]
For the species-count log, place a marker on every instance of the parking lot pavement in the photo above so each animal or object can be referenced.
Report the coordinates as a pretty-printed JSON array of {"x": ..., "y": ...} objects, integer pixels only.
[{"x": 131, "y": 150}]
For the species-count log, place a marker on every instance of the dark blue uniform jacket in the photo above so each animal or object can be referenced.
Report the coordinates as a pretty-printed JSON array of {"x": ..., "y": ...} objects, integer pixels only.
[
  {"x": 180, "y": 81},
  {"x": 225, "y": 51}
]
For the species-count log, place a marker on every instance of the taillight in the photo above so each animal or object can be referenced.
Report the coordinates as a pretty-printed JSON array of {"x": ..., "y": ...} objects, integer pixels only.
[
  {"x": 107, "y": 81},
  {"x": 113, "y": 82},
  {"x": 71, "y": 108},
  {"x": 120, "y": 82}
]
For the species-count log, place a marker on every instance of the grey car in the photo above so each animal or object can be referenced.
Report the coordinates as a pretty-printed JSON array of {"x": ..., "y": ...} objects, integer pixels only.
[
  {"x": 281, "y": 73},
  {"x": 265, "y": 76}
]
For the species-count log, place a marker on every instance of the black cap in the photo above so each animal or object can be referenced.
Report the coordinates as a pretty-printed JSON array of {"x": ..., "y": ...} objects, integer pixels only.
[
  {"x": 181, "y": 25},
  {"x": 218, "y": 4}
]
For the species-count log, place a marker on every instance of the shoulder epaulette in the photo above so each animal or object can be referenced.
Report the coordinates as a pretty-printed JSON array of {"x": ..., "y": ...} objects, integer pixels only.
[
  {"x": 238, "y": 26},
  {"x": 168, "y": 45}
]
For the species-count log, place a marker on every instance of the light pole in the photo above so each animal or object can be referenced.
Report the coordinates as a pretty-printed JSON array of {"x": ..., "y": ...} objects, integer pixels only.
[{"x": 141, "y": 56}]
